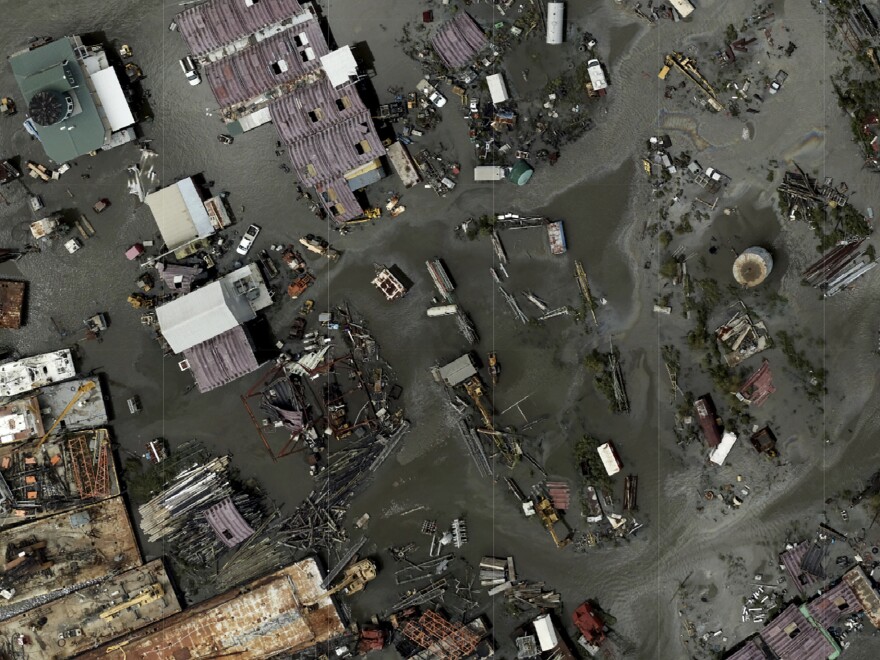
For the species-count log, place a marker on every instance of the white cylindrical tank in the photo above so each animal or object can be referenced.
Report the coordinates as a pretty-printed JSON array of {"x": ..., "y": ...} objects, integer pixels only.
[
  {"x": 752, "y": 266},
  {"x": 555, "y": 22}
]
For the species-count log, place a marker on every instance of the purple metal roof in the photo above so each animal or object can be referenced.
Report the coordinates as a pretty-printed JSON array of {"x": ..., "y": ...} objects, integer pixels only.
[
  {"x": 219, "y": 22},
  {"x": 228, "y": 524},
  {"x": 805, "y": 642},
  {"x": 792, "y": 560},
  {"x": 291, "y": 112},
  {"x": 339, "y": 200},
  {"x": 221, "y": 359},
  {"x": 335, "y": 151},
  {"x": 168, "y": 272},
  {"x": 837, "y": 602},
  {"x": 249, "y": 73},
  {"x": 459, "y": 40},
  {"x": 750, "y": 651}
]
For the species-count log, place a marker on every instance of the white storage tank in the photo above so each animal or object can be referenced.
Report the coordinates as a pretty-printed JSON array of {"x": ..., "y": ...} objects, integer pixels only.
[{"x": 555, "y": 22}]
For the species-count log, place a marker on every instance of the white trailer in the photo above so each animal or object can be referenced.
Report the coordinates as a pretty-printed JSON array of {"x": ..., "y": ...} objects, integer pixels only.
[
  {"x": 488, "y": 173},
  {"x": 497, "y": 88},
  {"x": 555, "y": 22},
  {"x": 597, "y": 76},
  {"x": 683, "y": 7}
]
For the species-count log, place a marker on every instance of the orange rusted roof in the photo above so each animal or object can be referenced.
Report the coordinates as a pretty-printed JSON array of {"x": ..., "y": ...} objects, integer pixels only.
[{"x": 258, "y": 620}]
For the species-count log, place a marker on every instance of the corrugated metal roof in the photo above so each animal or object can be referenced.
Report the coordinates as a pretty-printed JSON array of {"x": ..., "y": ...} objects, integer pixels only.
[
  {"x": 313, "y": 108},
  {"x": 215, "y": 23},
  {"x": 459, "y": 40},
  {"x": 839, "y": 601},
  {"x": 221, "y": 359},
  {"x": 11, "y": 303},
  {"x": 261, "y": 620},
  {"x": 202, "y": 315},
  {"x": 792, "y": 559},
  {"x": 169, "y": 274},
  {"x": 228, "y": 524},
  {"x": 337, "y": 150},
  {"x": 750, "y": 651},
  {"x": 339, "y": 200},
  {"x": 255, "y": 70},
  {"x": 791, "y": 635},
  {"x": 866, "y": 593},
  {"x": 180, "y": 213}
]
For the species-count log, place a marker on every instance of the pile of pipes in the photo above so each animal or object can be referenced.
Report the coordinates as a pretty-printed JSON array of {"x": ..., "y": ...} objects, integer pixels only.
[
  {"x": 177, "y": 513},
  {"x": 424, "y": 570},
  {"x": 839, "y": 268},
  {"x": 527, "y": 596},
  {"x": 428, "y": 594}
]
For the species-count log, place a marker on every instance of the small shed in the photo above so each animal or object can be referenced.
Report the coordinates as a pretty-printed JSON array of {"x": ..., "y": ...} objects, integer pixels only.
[
  {"x": 458, "y": 371},
  {"x": 228, "y": 524},
  {"x": 134, "y": 251},
  {"x": 497, "y": 88}
]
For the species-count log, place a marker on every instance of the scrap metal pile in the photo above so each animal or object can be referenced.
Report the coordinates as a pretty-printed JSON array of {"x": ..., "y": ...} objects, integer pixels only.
[
  {"x": 178, "y": 513},
  {"x": 839, "y": 268},
  {"x": 802, "y": 193}
]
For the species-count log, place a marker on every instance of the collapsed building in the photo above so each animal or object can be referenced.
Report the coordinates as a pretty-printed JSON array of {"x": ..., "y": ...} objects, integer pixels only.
[{"x": 270, "y": 61}]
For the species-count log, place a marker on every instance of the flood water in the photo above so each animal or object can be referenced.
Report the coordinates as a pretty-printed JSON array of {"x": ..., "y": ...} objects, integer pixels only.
[{"x": 598, "y": 189}]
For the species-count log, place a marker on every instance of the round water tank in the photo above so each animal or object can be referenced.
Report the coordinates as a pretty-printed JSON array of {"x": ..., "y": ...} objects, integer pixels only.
[
  {"x": 49, "y": 107},
  {"x": 752, "y": 266}
]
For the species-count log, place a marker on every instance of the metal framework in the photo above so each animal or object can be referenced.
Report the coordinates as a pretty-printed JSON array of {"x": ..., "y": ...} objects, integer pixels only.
[
  {"x": 448, "y": 640},
  {"x": 90, "y": 471}
]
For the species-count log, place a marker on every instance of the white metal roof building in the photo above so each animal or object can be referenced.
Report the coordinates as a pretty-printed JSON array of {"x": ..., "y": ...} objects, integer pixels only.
[
  {"x": 683, "y": 7},
  {"x": 546, "y": 632},
  {"x": 213, "y": 309},
  {"x": 458, "y": 371},
  {"x": 555, "y": 22},
  {"x": 180, "y": 213},
  {"x": 112, "y": 99},
  {"x": 609, "y": 458},
  {"x": 497, "y": 88},
  {"x": 340, "y": 66},
  {"x": 723, "y": 449}
]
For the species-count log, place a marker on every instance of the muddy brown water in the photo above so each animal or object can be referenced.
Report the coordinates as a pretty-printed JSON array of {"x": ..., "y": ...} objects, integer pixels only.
[{"x": 598, "y": 191}]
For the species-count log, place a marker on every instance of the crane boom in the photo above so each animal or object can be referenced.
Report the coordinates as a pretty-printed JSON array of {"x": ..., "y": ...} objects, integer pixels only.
[{"x": 85, "y": 388}]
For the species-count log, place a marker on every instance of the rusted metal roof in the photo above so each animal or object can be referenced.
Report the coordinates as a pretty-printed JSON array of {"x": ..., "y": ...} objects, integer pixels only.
[
  {"x": 267, "y": 64},
  {"x": 228, "y": 524},
  {"x": 759, "y": 386},
  {"x": 839, "y": 601},
  {"x": 314, "y": 108},
  {"x": 11, "y": 303},
  {"x": 459, "y": 40},
  {"x": 864, "y": 590},
  {"x": 221, "y": 359},
  {"x": 792, "y": 635},
  {"x": 339, "y": 149},
  {"x": 259, "y": 620},
  {"x": 216, "y": 23}
]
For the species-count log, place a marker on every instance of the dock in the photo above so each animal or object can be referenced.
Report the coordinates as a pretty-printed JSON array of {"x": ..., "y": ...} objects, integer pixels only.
[
  {"x": 584, "y": 285},
  {"x": 61, "y": 554},
  {"x": 92, "y": 616},
  {"x": 89, "y": 412}
]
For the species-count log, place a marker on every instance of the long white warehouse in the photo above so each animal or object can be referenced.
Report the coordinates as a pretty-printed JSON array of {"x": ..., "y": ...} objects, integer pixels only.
[{"x": 555, "y": 22}]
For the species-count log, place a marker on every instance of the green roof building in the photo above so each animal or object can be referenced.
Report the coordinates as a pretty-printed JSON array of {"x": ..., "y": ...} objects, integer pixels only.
[
  {"x": 74, "y": 100},
  {"x": 520, "y": 173}
]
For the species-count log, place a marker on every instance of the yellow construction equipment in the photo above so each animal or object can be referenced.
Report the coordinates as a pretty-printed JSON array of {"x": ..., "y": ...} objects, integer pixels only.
[
  {"x": 475, "y": 390},
  {"x": 354, "y": 579},
  {"x": 551, "y": 520},
  {"x": 144, "y": 596},
  {"x": 140, "y": 301},
  {"x": 687, "y": 67},
  {"x": 85, "y": 388}
]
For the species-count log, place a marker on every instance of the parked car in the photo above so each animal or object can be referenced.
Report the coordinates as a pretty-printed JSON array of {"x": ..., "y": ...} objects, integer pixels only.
[
  {"x": 188, "y": 66},
  {"x": 780, "y": 78},
  {"x": 437, "y": 99},
  {"x": 247, "y": 241},
  {"x": 475, "y": 106}
]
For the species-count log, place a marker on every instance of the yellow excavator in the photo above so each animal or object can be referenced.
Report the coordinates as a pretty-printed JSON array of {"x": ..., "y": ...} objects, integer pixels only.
[
  {"x": 474, "y": 389},
  {"x": 550, "y": 519},
  {"x": 354, "y": 579},
  {"x": 85, "y": 388},
  {"x": 144, "y": 596}
]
